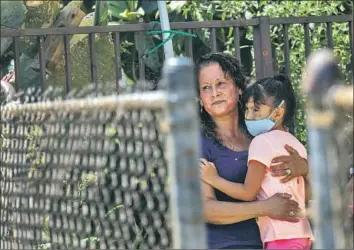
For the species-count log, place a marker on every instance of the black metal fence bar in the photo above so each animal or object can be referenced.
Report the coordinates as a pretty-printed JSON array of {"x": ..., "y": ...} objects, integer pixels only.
[
  {"x": 351, "y": 39},
  {"x": 237, "y": 43},
  {"x": 93, "y": 59},
  {"x": 307, "y": 40},
  {"x": 16, "y": 50},
  {"x": 67, "y": 63},
  {"x": 125, "y": 28},
  {"x": 263, "y": 48},
  {"x": 42, "y": 62},
  {"x": 311, "y": 19},
  {"x": 274, "y": 56},
  {"x": 174, "y": 25},
  {"x": 264, "y": 54},
  {"x": 189, "y": 45},
  {"x": 329, "y": 35},
  {"x": 117, "y": 57},
  {"x": 213, "y": 40},
  {"x": 141, "y": 50},
  {"x": 286, "y": 51}
]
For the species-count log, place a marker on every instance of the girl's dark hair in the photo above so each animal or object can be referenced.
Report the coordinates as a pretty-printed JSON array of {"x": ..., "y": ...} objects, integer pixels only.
[
  {"x": 279, "y": 88},
  {"x": 231, "y": 67}
]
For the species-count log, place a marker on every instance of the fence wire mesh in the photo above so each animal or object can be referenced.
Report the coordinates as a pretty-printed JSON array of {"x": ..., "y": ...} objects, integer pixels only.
[{"x": 94, "y": 179}]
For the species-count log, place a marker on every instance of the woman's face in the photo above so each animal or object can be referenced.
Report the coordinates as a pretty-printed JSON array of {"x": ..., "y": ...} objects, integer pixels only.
[{"x": 218, "y": 93}]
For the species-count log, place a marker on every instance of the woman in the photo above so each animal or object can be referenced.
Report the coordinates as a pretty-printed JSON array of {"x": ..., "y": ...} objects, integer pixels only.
[{"x": 231, "y": 223}]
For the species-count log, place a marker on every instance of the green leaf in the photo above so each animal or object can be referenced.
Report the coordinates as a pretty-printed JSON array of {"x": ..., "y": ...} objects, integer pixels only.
[
  {"x": 176, "y": 6},
  {"x": 101, "y": 13},
  {"x": 113, "y": 209},
  {"x": 132, "y": 5},
  {"x": 248, "y": 15},
  {"x": 116, "y": 8}
]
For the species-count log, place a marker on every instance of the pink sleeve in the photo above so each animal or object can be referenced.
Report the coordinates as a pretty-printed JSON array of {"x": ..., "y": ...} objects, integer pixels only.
[
  {"x": 304, "y": 152},
  {"x": 261, "y": 150}
]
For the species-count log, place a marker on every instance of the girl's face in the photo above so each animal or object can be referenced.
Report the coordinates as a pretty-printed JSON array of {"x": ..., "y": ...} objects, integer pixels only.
[
  {"x": 259, "y": 111},
  {"x": 218, "y": 93}
]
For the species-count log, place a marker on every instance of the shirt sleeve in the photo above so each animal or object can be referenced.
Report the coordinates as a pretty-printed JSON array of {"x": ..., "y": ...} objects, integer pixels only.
[
  {"x": 205, "y": 147},
  {"x": 261, "y": 150}
]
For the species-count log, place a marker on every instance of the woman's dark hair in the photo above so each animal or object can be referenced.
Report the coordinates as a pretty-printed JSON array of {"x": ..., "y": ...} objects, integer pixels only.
[
  {"x": 231, "y": 67},
  {"x": 279, "y": 88}
]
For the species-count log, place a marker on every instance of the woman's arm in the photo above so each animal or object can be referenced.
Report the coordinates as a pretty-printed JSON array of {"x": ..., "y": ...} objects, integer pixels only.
[
  {"x": 278, "y": 207},
  {"x": 246, "y": 191},
  {"x": 297, "y": 166}
]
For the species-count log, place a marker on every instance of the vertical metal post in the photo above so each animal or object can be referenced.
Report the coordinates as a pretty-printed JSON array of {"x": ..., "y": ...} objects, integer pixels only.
[
  {"x": 286, "y": 51},
  {"x": 118, "y": 60},
  {"x": 263, "y": 48},
  {"x": 93, "y": 60},
  {"x": 165, "y": 25},
  {"x": 140, "y": 44},
  {"x": 321, "y": 73},
  {"x": 307, "y": 40},
  {"x": 42, "y": 62},
  {"x": 329, "y": 35},
  {"x": 351, "y": 39},
  {"x": 16, "y": 50},
  {"x": 67, "y": 63},
  {"x": 189, "y": 45},
  {"x": 213, "y": 43},
  {"x": 237, "y": 43},
  {"x": 183, "y": 153}
]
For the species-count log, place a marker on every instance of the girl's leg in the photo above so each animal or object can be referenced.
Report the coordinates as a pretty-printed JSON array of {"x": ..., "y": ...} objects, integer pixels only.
[{"x": 301, "y": 243}]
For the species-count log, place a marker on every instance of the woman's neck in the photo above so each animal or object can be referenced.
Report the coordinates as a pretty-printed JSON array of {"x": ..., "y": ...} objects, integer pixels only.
[{"x": 227, "y": 125}]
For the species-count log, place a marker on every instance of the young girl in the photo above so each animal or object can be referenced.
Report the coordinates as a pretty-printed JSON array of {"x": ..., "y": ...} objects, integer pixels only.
[{"x": 270, "y": 106}]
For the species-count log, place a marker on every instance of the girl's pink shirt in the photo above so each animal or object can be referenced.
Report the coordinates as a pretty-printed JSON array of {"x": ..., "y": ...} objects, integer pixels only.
[{"x": 263, "y": 149}]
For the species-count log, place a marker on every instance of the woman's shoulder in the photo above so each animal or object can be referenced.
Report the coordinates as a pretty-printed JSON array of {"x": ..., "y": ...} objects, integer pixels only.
[
  {"x": 208, "y": 145},
  {"x": 206, "y": 140}
]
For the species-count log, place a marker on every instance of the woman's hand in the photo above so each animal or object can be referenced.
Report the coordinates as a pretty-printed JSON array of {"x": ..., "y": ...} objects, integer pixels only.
[
  {"x": 280, "y": 207},
  {"x": 208, "y": 171},
  {"x": 290, "y": 166}
]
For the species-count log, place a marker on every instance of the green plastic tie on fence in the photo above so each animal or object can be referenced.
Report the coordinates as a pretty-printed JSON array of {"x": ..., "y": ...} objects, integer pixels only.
[{"x": 171, "y": 33}]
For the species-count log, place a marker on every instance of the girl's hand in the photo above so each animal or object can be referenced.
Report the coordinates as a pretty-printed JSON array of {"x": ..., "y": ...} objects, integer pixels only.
[
  {"x": 280, "y": 207},
  {"x": 208, "y": 171},
  {"x": 290, "y": 166}
]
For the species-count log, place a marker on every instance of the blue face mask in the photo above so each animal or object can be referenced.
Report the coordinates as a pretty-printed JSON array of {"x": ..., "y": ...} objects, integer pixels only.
[{"x": 257, "y": 127}]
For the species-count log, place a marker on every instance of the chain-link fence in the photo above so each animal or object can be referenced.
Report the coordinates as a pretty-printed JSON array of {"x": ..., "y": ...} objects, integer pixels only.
[
  {"x": 110, "y": 172},
  {"x": 330, "y": 132}
]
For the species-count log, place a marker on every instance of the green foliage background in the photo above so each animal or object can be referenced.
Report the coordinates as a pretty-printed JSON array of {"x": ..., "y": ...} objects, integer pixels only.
[
  {"x": 225, "y": 10},
  {"x": 228, "y": 10},
  {"x": 134, "y": 11}
]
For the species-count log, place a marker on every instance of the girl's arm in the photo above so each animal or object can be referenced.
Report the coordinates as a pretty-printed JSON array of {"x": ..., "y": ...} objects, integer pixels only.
[
  {"x": 247, "y": 191},
  {"x": 278, "y": 207}
]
